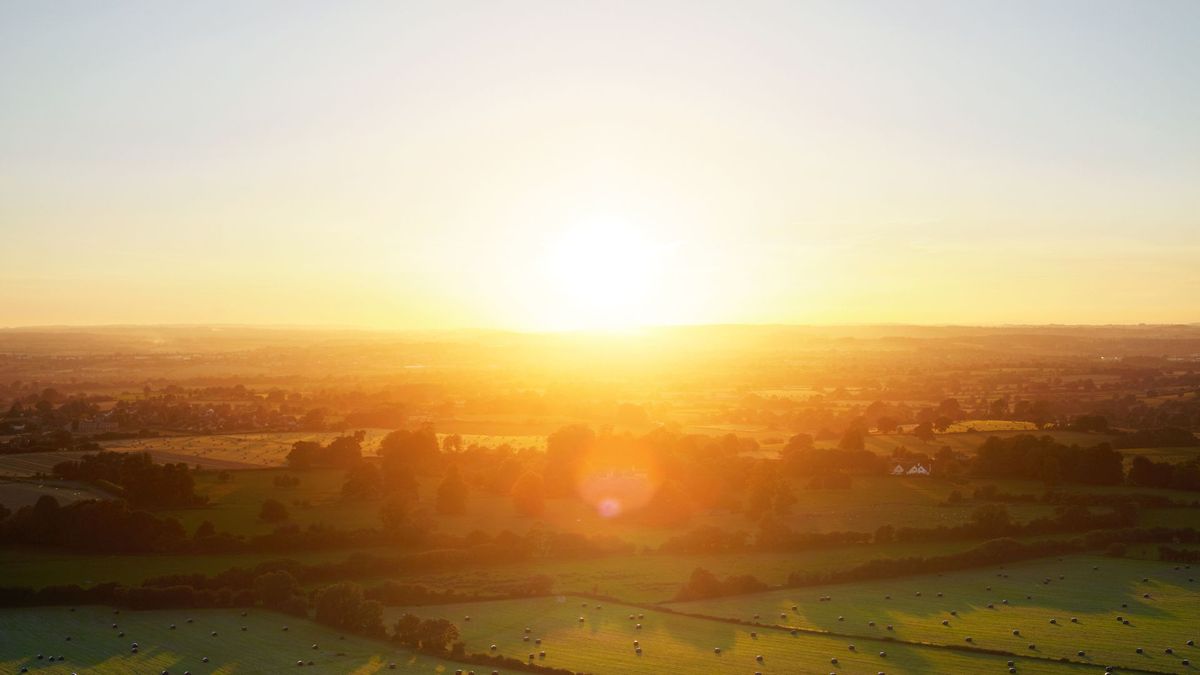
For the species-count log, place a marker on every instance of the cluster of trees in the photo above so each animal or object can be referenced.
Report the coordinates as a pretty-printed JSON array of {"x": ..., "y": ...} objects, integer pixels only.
[
  {"x": 1183, "y": 555},
  {"x": 341, "y": 452},
  {"x": 1042, "y": 458},
  {"x": 103, "y": 526},
  {"x": 987, "y": 521},
  {"x": 1182, "y": 476},
  {"x": 993, "y": 520},
  {"x": 1161, "y": 437},
  {"x": 991, "y": 493},
  {"x": 428, "y": 635},
  {"x": 994, "y": 552},
  {"x": 704, "y": 584},
  {"x": 345, "y": 606},
  {"x": 136, "y": 477}
]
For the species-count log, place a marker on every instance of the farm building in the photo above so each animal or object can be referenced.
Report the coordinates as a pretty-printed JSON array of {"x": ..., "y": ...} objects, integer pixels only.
[{"x": 914, "y": 470}]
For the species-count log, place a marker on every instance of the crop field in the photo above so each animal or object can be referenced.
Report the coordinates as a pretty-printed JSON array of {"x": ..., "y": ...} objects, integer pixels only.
[
  {"x": 256, "y": 643},
  {"x": 245, "y": 450},
  {"x": 34, "y": 463},
  {"x": 616, "y": 638},
  {"x": 15, "y": 494},
  {"x": 1059, "y": 607},
  {"x": 1174, "y": 455}
]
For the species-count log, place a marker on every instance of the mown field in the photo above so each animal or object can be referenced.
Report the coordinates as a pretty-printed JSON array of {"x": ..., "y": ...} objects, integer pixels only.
[
  {"x": 14, "y": 494},
  {"x": 604, "y": 642},
  {"x": 263, "y": 647},
  {"x": 271, "y": 449},
  {"x": 1091, "y": 591}
]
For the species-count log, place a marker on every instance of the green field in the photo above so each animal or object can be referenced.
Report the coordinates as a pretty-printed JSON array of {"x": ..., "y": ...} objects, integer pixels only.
[
  {"x": 670, "y": 643},
  {"x": 1168, "y": 618},
  {"x": 264, "y": 647}
]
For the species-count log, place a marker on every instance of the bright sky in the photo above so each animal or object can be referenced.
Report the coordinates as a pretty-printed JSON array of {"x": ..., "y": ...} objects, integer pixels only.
[{"x": 567, "y": 164}]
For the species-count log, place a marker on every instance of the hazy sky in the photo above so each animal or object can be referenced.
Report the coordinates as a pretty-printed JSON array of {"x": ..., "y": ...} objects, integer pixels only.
[{"x": 573, "y": 164}]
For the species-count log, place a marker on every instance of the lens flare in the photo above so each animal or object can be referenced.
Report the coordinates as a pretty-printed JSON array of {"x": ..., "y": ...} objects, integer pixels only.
[{"x": 617, "y": 479}]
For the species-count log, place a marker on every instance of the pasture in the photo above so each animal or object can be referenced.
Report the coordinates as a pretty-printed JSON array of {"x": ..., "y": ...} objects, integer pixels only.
[
  {"x": 255, "y": 643},
  {"x": 608, "y": 639},
  {"x": 1059, "y": 607}
]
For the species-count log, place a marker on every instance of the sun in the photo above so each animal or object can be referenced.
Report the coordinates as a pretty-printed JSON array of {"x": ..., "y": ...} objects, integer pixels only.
[{"x": 603, "y": 275}]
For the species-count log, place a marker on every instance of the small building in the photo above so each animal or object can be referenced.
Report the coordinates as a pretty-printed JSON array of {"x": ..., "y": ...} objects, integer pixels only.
[
  {"x": 918, "y": 470},
  {"x": 914, "y": 470}
]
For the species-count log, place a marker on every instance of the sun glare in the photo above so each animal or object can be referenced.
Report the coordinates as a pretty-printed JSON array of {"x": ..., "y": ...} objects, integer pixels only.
[{"x": 603, "y": 275}]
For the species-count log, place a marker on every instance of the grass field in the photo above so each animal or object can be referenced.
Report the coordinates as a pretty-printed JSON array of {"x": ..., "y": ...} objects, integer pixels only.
[
  {"x": 604, "y": 642},
  {"x": 264, "y": 647},
  {"x": 1168, "y": 618}
]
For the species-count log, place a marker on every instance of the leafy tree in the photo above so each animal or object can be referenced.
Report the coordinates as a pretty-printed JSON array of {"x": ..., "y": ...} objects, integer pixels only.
[
  {"x": 362, "y": 482},
  {"x": 451, "y": 497},
  {"x": 205, "y": 530},
  {"x": 275, "y": 590},
  {"x": 852, "y": 439},
  {"x": 273, "y": 511},
  {"x": 529, "y": 494},
  {"x": 413, "y": 452},
  {"x": 565, "y": 450},
  {"x": 343, "y": 605}
]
